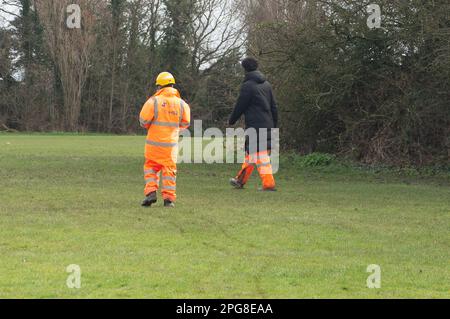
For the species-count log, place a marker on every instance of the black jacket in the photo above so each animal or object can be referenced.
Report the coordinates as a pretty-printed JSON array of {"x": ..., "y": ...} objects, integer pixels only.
[{"x": 257, "y": 103}]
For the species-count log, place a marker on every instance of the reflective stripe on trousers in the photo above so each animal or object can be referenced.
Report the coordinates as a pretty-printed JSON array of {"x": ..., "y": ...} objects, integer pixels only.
[
  {"x": 262, "y": 161},
  {"x": 161, "y": 144}
]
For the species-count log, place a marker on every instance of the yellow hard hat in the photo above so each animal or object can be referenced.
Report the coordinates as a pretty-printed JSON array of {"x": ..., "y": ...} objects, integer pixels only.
[{"x": 165, "y": 79}]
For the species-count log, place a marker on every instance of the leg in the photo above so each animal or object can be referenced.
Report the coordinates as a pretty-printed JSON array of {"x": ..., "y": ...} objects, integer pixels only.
[
  {"x": 169, "y": 183},
  {"x": 246, "y": 171},
  {"x": 151, "y": 172},
  {"x": 265, "y": 170}
]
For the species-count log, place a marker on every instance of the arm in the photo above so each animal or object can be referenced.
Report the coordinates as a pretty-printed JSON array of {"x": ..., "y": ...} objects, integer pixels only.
[
  {"x": 274, "y": 109},
  {"x": 186, "y": 119},
  {"x": 242, "y": 104},
  {"x": 147, "y": 114}
]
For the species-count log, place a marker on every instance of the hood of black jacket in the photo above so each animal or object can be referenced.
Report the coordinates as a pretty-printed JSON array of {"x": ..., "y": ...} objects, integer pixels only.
[{"x": 255, "y": 76}]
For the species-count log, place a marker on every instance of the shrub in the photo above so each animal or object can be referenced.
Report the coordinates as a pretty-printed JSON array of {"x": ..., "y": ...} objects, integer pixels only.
[{"x": 316, "y": 160}]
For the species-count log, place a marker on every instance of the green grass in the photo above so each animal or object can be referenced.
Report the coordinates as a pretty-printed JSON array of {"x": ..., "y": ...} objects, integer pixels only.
[{"x": 75, "y": 200}]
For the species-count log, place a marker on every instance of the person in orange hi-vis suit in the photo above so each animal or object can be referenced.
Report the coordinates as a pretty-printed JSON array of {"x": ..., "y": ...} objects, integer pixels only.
[{"x": 163, "y": 115}]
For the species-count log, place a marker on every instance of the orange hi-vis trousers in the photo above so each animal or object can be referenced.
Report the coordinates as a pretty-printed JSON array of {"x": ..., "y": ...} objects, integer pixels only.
[
  {"x": 153, "y": 172},
  {"x": 262, "y": 162}
]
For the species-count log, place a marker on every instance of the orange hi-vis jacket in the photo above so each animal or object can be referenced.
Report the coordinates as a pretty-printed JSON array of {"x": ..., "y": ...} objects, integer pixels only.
[{"x": 164, "y": 115}]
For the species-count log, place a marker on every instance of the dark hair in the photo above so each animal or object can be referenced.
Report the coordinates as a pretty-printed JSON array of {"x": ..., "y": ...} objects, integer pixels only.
[{"x": 250, "y": 64}]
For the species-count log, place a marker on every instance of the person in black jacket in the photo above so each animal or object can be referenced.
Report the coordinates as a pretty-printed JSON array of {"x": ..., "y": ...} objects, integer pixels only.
[{"x": 257, "y": 103}]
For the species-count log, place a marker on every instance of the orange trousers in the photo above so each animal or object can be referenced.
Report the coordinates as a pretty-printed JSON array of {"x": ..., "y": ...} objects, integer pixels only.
[
  {"x": 262, "y": 162},
  {"x": 152, "y": 173}
]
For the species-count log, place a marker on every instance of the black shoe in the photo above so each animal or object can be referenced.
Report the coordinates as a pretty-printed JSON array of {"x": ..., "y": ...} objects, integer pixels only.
[
  {"x": 236, "y": 184},
  {"x": 169, "y": 204},
  {"x": 150, "y": 200},
  {"x": 267, "y": 189}
]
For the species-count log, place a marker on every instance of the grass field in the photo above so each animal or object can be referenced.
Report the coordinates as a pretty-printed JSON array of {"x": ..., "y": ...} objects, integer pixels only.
[{"x": 75, "y": 200}]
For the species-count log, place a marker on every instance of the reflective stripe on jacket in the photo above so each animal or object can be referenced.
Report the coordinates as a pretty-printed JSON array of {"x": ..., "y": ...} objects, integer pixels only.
[{"x": 163, "y": 115}]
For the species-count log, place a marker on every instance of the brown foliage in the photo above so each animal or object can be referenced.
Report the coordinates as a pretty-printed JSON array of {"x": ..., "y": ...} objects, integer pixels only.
[{"x": 70, "y": 49}]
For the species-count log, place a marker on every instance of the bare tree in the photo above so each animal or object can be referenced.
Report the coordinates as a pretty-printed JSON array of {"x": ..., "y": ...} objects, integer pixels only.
[
  {"x": 142, "y": 23},
  {"x": 217, "y": 29},
  {"x": 216, "y": 32},
  {"x": 70, "y": 49}
]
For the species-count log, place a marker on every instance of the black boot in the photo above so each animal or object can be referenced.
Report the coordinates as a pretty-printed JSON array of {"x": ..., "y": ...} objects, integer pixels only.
[
  {"x": 150, "y": 200},
  {"x": 236, "y": 183},
  {"x": 169, "y": 204},
  {"x": 267, "y": 189}
]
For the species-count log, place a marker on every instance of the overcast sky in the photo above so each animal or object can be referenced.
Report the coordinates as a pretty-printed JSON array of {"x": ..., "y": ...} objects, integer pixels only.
[{"x": 4, "y": 17}]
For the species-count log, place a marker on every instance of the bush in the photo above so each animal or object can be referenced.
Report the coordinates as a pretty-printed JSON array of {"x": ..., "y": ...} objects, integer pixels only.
[
  {"x": 380, "y": 95},
  {"x": 316, "y": 160}
]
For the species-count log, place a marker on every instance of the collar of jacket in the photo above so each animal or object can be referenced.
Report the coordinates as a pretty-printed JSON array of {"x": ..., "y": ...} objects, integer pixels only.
[
  {"x": 255, "y": 76},
  {"x": 168, "y": 91}
]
